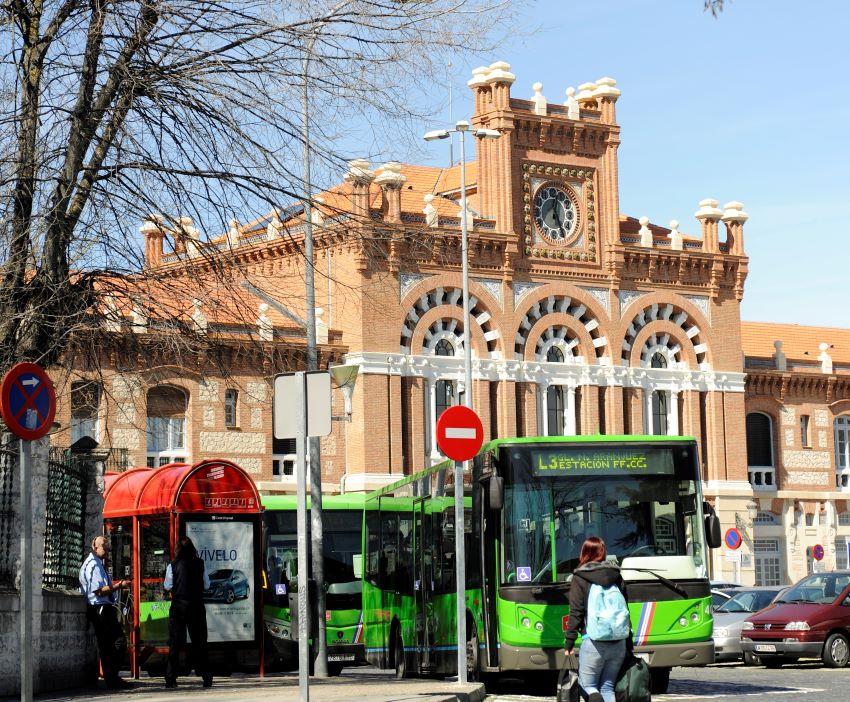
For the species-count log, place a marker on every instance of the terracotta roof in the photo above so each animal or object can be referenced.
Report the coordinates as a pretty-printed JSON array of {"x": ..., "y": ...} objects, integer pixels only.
[{"x": 799, "y": 343}]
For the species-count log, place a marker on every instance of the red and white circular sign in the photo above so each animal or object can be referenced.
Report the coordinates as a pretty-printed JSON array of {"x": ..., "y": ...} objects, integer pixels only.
[{"x": 460, "y": 433}]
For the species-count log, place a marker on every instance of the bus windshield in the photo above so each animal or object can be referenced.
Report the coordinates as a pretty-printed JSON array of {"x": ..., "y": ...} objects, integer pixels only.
[{"x": 554, "y": 499}]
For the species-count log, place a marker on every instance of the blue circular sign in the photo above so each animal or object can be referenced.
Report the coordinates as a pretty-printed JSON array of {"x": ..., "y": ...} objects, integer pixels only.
[
  {"x": 27, "y": 401},
  {"x": 817, "y": 552},
  {"x": 733, "y": 539}
]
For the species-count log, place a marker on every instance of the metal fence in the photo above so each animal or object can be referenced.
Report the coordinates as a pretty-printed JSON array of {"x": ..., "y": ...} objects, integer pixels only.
[
  {"x": 8, "y": 470},
  {"x": 64, "y": 537},
  {"x": 119, "y": 460}
]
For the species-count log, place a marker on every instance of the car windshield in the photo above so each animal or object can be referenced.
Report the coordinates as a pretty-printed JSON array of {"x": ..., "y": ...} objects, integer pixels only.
[
  {"x": 818, "y": 588},
  {"x": 221, "y": 574},
  {"x": 748, "y": 601}
]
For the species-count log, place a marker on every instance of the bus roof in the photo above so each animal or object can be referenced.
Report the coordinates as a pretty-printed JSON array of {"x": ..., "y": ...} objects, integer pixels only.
[{"x": 352, "y": 500}]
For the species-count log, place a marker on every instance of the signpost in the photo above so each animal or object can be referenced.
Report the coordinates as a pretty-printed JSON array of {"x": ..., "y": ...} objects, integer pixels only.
[
  {"x": 302, "y": 408},
  {"x": 28, "y": 406},
  {"x": 459, "y": 436}
]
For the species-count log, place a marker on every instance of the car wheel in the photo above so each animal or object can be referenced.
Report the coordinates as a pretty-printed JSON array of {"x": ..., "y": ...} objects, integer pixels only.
[
  {"x": 836, "y": 651},
  {"x": 751, "y": 658},
  {"x": 660, "y": 680},
  {"x": 399, "y": 657},
  {"x": 229, "y": 596}
]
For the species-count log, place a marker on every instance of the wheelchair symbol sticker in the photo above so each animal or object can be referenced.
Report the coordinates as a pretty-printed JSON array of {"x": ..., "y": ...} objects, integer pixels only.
[
  {"x": 523, "y": 574},
  {"x": 280, "y": 589}
]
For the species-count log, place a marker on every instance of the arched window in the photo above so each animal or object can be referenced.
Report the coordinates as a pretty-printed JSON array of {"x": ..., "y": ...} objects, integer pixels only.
[
  {"x": 555, "y": 355},
  {"x": 760, "y": 451},
  {"x": 444, "y": 348},
  {"x": 841, "y": 428},
  {"x": 166, "y": 414},
  {"x": 555, "y": 410},
  {"x": 660, "y": 400},
  {"x": 85, "y": 407}
]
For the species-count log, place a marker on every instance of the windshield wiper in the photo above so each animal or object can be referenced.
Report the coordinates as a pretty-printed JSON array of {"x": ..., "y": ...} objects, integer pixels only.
[{"x": 666, "y": 581}]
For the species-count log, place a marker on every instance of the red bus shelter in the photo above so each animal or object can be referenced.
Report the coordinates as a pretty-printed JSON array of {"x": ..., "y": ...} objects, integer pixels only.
[{"x": 214, "y": 502}]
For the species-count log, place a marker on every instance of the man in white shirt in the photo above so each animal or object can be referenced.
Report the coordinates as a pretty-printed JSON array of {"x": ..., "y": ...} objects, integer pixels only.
[{"x": 97, "y": 587}]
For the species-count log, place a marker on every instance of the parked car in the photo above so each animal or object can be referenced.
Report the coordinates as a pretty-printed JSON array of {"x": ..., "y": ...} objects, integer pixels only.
[
  {"x": 724, "y": 585},
  {"x": 729, "y": 618},
  {"x": 226, "y": 585},
  {"x": 719, "y": 595},
  {"x": 810, "y": 620}
]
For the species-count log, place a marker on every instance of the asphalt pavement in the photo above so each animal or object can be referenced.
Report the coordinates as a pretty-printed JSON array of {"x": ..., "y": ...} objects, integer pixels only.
[{"x": 368, "y": 684}]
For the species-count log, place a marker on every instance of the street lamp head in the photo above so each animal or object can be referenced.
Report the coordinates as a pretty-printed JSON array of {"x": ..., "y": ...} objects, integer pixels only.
[
  {"x": 462, "y": 126},
  {"x": 436, "y": 134},
  {"x": 487, "y": 133}
]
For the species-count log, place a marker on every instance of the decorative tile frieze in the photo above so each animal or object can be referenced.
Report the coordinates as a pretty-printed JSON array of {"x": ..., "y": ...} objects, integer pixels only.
[
  {"x": 807, "y": 459},
  {"x": 627, "y": 297},
  {"x": 600, "y": 295},
  {"x": 521, "y": 290},
  {"x": 808, "y": 478},
  {"x": 494, "y": 287},
  {"x": 406, "y": 281},
  {"x": 701, "y": 303},
  {"x": 789, "y": 416}
]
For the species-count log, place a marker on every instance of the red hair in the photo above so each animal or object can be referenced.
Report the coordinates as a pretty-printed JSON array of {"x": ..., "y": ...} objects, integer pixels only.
[{"x": 593, "y": 549}]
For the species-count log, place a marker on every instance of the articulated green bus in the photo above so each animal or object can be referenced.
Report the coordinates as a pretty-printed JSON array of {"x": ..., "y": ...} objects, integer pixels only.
[
  {"x": 530, "y": 503},
  {"x": 343, "y": 529}
]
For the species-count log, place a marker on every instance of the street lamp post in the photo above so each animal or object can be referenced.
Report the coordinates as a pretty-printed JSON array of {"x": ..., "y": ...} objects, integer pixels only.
[
  {"x": 462, "y": 127},
  {"x": 460, "y": 557}
]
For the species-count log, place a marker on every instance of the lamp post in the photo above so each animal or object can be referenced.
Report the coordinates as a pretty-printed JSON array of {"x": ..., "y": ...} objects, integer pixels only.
[{"x": 462, "y": 127}]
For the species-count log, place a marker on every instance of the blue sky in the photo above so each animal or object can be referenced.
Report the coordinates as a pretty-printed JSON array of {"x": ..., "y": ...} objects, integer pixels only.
[{"x": 751, "y": 106}]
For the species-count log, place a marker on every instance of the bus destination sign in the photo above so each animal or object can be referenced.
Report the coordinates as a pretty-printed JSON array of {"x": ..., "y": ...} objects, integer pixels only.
[{"x": 601, "y": 461}]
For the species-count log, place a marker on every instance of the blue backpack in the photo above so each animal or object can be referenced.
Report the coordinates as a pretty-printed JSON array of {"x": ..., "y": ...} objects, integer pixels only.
[{"x": 607, "y": 614}]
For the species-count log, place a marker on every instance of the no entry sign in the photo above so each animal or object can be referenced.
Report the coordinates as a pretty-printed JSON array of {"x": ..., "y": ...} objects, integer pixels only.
[
  {"x": 459, "y": 433},
  {"x": 27, "y": 401},
  {"x": 733, "y": 539}
]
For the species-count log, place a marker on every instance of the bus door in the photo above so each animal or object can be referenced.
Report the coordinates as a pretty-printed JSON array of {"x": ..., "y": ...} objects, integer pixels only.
[{"x": 423, "y": 583}]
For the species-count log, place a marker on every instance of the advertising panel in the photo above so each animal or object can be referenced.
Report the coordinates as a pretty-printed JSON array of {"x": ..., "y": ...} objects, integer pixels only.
[{"x": 227, "y": 548}]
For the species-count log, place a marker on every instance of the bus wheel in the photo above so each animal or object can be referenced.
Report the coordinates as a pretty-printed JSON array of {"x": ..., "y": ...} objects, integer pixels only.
[
  {"x": 334, "y": 670},
  {"x": 660, "y": 680},
  {"x": 399, "y": 657},
  {"x": 472, "y": 650}
]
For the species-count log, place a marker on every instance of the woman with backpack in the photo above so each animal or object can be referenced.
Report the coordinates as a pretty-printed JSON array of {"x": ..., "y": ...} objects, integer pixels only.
[{"x": 598, "y": 611}]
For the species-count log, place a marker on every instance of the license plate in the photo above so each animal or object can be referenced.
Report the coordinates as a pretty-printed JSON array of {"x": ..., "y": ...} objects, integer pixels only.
[
  {"x": 765, "y": 648},
  {"x": 340, "y": 657},
  {"x": 643, "y": 656}
]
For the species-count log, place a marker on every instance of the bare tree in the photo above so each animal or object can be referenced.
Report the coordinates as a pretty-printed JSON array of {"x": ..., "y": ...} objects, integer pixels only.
[{"x": 115, "y": 109}]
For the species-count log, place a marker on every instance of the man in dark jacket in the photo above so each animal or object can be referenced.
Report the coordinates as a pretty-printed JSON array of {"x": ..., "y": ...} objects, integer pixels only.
[
  {"x": 186, "y": 577},
  {"x": 599, "y": 661}
]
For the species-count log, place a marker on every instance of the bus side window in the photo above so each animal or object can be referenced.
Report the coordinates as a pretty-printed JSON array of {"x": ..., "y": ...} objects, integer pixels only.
[{"x": 373, "y": 547}]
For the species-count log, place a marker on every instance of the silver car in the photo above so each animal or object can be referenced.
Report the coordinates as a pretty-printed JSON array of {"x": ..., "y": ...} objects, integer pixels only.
[{"x": 729, "y": 619}]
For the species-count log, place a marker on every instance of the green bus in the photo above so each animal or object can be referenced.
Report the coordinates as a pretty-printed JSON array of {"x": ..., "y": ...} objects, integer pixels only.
[
  {"x": 343, "y": 529},
  {"x": 529, "y": 505}
]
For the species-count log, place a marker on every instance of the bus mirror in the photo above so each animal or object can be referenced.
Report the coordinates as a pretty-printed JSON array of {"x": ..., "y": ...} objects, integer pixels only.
[
  {"x": 712, "y": 526},
  {"x": 496, "y": 493}
]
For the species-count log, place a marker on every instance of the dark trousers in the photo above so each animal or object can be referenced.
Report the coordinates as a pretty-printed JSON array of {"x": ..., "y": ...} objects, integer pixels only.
[
  {"x": 191, "y": 616},
  {"x": 111, "y": 643}
]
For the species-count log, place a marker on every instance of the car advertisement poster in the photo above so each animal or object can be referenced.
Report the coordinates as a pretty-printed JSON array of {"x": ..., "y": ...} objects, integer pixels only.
[{"x": 228, "y": 551}]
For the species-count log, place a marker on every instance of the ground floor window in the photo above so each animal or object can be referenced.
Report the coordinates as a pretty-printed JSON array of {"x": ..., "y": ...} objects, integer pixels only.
[{"x": 768, "y": 562}]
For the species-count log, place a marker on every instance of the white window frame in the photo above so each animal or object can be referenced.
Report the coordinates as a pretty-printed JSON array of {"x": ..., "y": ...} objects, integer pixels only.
[
  {"x": 763, "y": 477},
  {"x": 173, "y": 429},
  {"x": 841, "y": 434}
]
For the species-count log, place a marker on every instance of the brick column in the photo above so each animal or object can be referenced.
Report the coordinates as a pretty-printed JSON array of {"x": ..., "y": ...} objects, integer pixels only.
[
  {"x": 589, "y": 410},
  {"x": 614, "y": 410},
  {"x": 395, "y": 446},
  {"x": 714, "y": 426},
  {"x": 735, "y": 436},
  {"x": 506, "y": 407}
]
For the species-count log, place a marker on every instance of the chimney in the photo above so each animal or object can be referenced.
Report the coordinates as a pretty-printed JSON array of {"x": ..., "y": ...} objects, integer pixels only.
[
  {"x": 734, "y": 218},
  {"x": 360, "y": 178},
  {"x": 709, "y": 215},
  {"x": 607, "y": 94},
  {"x": 151, "y": 229},
  {"x": 391, "y": 180}
]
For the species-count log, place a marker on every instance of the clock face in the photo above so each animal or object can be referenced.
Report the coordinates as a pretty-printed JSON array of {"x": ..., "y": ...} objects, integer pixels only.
[{"x": 555, "y": 213}]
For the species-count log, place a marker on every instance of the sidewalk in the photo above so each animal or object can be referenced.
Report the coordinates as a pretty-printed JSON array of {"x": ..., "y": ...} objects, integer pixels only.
[{"x": 355, "y": 683}]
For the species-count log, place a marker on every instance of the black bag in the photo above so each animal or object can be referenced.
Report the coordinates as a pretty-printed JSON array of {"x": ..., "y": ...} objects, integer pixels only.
[
  {"x": 633, "y": 681},
  {"x": 568, "y": 687}
]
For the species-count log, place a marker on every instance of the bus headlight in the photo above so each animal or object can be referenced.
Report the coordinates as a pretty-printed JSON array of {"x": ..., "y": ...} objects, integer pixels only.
[
  {"x": 539, "y": 626},
  {"x": 683, "y": 621},
  {"x": 695, "y": 617},
  {"x": 526, "y": 622}
]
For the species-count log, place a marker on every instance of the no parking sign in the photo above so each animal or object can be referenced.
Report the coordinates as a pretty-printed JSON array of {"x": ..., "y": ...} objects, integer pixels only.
[{"x": 733, "y": 539}]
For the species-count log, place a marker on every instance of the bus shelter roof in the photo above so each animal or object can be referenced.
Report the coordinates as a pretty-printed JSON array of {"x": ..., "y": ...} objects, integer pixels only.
[{"x": 213, "y": 485}]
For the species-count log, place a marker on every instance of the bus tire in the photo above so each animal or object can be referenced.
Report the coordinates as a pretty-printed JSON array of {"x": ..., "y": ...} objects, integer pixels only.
[
  {"x": 472, "y": 651},
  {"x": 660, "y": 680},
  {"x": 334, "y": 670},
  {"x": 399, "y": 658}
]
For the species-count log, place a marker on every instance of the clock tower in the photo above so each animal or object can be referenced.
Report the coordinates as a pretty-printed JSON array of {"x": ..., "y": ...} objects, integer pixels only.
[{"x": 552, "y": 178}]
